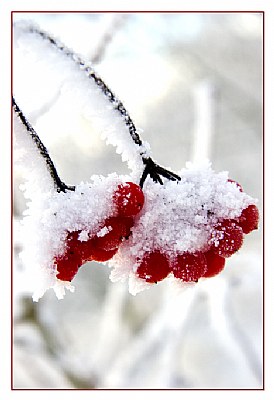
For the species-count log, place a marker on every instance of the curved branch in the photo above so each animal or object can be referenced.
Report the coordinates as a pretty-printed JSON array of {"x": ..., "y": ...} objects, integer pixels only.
[
  {"x": 91, "y": 74},
  {"x": 59, "y": 185},
  {"x": 151, "y": 168}
]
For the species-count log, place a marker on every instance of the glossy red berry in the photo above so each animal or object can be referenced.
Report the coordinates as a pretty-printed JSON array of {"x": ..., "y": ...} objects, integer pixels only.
[
  {"x": 215, "y": 264},
  {"x": 249, "y": 219},
  {"x": 154, "y": 267},
  {"x": 189, "y": 267},
  {"x": 227, "y": 238},
  {"x": 129, "y": 199}
]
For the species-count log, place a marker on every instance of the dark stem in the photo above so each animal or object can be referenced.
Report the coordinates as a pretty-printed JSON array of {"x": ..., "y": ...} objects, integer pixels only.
[
  {"x": 59, "y": 185},
  {"x": 151, "y": 168},
  {"x": 154, "y": 171}
]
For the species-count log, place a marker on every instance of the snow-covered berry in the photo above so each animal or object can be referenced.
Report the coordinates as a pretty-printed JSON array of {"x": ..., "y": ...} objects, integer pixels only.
[
  {"x": 249, "y": 219},
  {"x": 154, "y": 267},
  {"x": 70, "y": 261},
  {"x": 215, "y": 264},
  {"x": 189, "y": 267},
  {"x": 226, "y": 238},
  {"x": 129, "y": 199},
  {"x": 114, "y": 231}
]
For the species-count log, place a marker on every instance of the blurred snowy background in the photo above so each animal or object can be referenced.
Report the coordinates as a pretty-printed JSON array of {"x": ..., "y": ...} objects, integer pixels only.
[{"x": 193, "y": 83}]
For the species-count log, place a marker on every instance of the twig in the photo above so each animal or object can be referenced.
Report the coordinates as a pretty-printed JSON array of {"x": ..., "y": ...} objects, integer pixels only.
[
  {"x": 116, "y": 23},
  {"x": 59, "y": 185},
  {"x": 154, "y": 171},
  {"x": 151, "y": 168}
]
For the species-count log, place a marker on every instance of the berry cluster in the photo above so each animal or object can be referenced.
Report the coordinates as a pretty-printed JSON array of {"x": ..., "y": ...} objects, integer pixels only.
[
  {"x": 128, "y": 201},
  {"x": 226, "y": 238}
]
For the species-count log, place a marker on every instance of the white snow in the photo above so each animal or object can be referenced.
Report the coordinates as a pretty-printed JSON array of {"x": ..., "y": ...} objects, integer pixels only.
[
  {"x": 102, "y": 232},
  {"x": 40, "y": 58},
  {"x": 51, "y": 215},
  {"x": 178, "y": 217}
]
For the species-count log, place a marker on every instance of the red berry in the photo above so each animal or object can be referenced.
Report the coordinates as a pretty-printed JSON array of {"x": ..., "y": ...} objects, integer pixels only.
[
  {"x": 87, "y": 250},
  {"x": 154, "y": 267},
  {"x": 68, "y": 263},
  {"x": 128, "y": 223},
  {"x": 237, "y": 184},
  {"x": 67, "y": 266},
  {"x": 82, "y": 248},
  {"x": 129, "y": 199},
  {"x": 116, "y": 229},
  {"x": 189, "y": 267},
  {"x": 249, "y": 219},
  {"x": 101, "y": 255},
  {"x": 226, "y": 238},
  {"x": 215, "y": 264}
]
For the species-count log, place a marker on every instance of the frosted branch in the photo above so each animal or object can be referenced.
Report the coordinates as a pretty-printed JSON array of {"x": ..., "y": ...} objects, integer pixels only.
[
  {"x": 59, "y": 185},
  {"x": 151, "y": 168}
]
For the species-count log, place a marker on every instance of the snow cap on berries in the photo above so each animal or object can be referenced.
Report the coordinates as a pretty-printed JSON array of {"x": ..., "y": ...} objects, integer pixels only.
[
  {"x": 179, "y": 217},
  {"x": 51, "y": 217}
]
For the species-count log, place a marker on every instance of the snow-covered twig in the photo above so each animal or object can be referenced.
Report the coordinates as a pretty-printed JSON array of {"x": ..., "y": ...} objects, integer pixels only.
[
  {"x": 59, "y": 185},
  {"x": 151, "y": 168}
]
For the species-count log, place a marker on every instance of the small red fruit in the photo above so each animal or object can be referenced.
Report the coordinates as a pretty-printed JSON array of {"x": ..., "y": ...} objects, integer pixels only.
[
  {"x": 215, "y": 264},
  {"x": 128, "y": 223},
  {"x": 101, "y": 255},
  {"x": 129, "y": 199},
  {"x": 67, "y": 266},
  {"x": 227, "y": 238},
  {"x": 114, "y": 231},
  {"x": 249, "y": 219},
  {"x": 189, "y": 267},
  {"x": 86, "y": 249},
  {"x": 91, "y": 252},
  {"x": 154, "y": 267}
]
